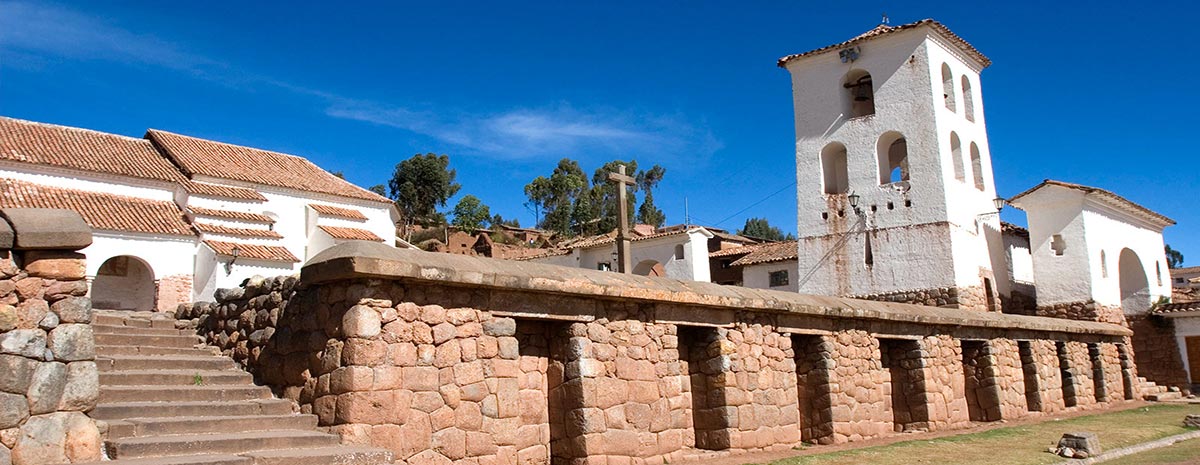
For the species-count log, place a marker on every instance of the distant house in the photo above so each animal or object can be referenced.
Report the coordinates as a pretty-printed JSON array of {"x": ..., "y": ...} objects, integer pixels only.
[
  {"x": 176, "y": 217},
  {"x": 679, "y": 253},
  {"x": 773, "y": 265},
  {"x": 1186, "y": 277}
]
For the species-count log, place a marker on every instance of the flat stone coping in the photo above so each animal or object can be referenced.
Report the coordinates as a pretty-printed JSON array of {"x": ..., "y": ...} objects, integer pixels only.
[{"x": 362, "y": 259}]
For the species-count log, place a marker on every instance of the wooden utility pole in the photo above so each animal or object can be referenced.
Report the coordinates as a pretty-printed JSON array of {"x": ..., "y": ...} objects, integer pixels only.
[{"x": 624, "y": 258}]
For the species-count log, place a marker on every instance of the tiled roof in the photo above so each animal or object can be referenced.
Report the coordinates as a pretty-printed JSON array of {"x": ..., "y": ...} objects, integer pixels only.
[
  {"x": 228, "y": 161},
  {"x": 1177, "y": 307},
  {"x": 253, "y": 251},
  {"x": 229, "y": 192},
  {"x": 1111, "y": 198},
  {"x": 351, "y": 233},
  {"x": 770, "y": 253},
  {"x": 228, "y": 231},
  {"x": 1186, "y": 270},
  {"x": 232, "y": 215},
  {"x": 883, "y": 29},
  {"x": 1009, "y": 228},
  {"x": 330, "y": 210},
  {"x": 83, "y": 149},
  {"x": 99, "y": 210},
  {"x": 732, "y": 251}
]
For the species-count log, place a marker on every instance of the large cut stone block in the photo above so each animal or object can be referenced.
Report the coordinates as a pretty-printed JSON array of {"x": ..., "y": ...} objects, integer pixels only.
[{"x": 47, "y": 228}]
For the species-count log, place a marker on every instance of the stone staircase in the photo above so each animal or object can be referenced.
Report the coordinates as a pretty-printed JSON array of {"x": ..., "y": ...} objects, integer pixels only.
[
  {"x": 169, "y": 400},
  {"x": 1155, "y": 393}
]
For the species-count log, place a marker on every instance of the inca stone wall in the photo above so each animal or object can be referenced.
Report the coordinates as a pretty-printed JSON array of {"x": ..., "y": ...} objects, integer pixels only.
[
  {"x": 967, "y": 298},
  {"x": 1084, "y": 311},
  {"x": 459, "y": 359},
  {"x": 1157, "y": 350},
  {"x": 48, "y": 377}
]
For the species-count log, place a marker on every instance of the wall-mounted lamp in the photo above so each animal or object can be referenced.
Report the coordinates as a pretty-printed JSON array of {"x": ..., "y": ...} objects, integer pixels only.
[
  {"x": 235, "y": 253},
  {"x": 854, "y": 198},
  {"x": 997, "y": 202}
]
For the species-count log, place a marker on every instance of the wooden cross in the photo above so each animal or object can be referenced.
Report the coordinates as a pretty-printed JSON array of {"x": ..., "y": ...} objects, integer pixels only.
[{"x": 624, "y": 258}]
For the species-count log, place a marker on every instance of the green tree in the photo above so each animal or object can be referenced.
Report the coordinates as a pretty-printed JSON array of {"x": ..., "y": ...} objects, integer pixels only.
[
  {"x": 553, "y": 199},
  {"x": 759, "y": 228},
  {"x": 420, "y": 185},
  {"x": 603, "y": 209},
  {"x": 498, "y": 220},
  {"x": 648, "y": 213},
  {"x": 379, "y": 189},
  {"x": 470, "y": 213},
  {"x": 1174, "y": 257}
]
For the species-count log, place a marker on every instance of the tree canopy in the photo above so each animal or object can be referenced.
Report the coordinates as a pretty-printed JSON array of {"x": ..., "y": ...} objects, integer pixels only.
[
  {"x": 1174, "y": 257},
  {"x": 567, "y": 203},
  {"x": 470, "y": 213},
  {"x": 759, "y": 228},
  {"x": 420, "y": 185}
]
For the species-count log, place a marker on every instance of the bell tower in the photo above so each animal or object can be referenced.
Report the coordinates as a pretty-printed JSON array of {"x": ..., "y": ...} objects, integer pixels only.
[{"x": 895, "y": 194}]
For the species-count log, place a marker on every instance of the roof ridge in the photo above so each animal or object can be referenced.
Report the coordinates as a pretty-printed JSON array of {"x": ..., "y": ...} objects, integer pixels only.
[
  {"x": 73, "y": 128},
  {"x": 229, "y": 144}
]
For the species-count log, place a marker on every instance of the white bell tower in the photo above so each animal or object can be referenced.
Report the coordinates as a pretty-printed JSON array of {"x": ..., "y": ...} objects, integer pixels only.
[{"x": 895, "y": 194}]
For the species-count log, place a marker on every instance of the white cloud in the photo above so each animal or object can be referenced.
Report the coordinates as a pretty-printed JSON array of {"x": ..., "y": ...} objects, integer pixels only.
[{"x": 28, "y": 29}]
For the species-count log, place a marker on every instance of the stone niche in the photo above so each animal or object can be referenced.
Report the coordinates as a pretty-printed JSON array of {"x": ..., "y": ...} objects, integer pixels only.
[
  {"x": 444, "y": 358},
  {"x": 48, "y": 376}
]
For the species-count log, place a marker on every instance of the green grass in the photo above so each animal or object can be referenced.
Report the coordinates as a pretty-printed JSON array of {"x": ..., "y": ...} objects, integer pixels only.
[{"x": 1024, "y": 444}]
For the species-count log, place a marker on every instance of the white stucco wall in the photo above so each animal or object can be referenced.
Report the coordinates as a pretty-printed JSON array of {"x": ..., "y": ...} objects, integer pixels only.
[
  {"x": 693, "y": 266},
  {"x": 923, "y": 231},
  {"x": 90, "y": 181},
  {"x": 1019, "y": 258},
  {"x": 1088, "y": 226},
  {"x": 1185, "y": 326},
  {"x": 759, "y": 276}
]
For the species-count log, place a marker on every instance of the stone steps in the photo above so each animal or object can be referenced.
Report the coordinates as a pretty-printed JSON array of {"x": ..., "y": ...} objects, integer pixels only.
[
  {"x": 169, "y": 377},
  {"x": 170, "y": 401}
]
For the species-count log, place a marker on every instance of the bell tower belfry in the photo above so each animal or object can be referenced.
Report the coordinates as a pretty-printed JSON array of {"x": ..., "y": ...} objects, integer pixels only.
[{"x": 895, "y": 194}]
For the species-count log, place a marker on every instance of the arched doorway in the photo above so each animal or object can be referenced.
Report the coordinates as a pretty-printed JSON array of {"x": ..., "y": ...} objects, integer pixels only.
[
  {"x": 649, "y": 268},
  {"x": 1135, "y": 288},
  {"x": 124, "y": 282}
]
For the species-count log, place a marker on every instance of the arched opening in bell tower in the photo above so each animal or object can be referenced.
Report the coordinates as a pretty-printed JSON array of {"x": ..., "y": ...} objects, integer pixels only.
[
  {"x": 859, "y": 95},
  {"x": 948, "y": 87},
  {"x": 893, "y": 158},
  {"x": 834, "y": 168},
  {"x": 968, "y": 100}
]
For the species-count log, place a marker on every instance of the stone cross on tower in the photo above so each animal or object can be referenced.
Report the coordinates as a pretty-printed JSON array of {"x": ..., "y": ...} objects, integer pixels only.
[{"x": 624, "y": 260}]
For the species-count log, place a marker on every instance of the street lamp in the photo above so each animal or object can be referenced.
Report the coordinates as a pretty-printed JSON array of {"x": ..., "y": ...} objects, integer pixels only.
[
  {"x": 999, "y": 203},
  {"x": 235, "y": 253},
  {"x": 854, "y": 198}
]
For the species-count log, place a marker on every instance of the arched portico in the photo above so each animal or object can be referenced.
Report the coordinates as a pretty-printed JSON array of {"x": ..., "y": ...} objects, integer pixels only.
[
  {"x": 649, "y": 268},
  {"x": 124, "y": 282},
  {"x": 1135, "y": 287}
]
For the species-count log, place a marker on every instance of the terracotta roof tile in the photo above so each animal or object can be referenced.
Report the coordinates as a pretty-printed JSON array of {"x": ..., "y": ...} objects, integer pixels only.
[
  {"x": 229, "y": 192},
  {"x": 770, "y": 253},
  {"x": 83, "y": 149},
  {"x": 350, "y": 233},
  {"x": 329, "y": 210},
  {"x": 232, "y": 215},
  {"x": 229, "y": 231},
  {"x": 1177, "y": 307},
  {"x": 742, "y": 250},
  {"x": 883, "y": 29},
  {"x": 1111, "y": 198},
  {"x": 253, "y": 251},
  {"x": 100, "y": 210},
  {"x": 228, "y": 161},
  {"x": 1185, "y": 270}
]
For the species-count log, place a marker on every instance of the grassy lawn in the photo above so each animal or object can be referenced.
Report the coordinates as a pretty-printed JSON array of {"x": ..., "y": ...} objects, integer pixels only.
[
  {"x": 1019, "y": 444},
  {"x": 1178, "y": 453}
]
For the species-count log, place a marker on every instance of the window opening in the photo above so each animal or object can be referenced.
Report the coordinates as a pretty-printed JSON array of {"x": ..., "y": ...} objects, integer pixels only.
[
  {"x": 1058, "y": 245},
  {"x": 835, "y": 170},
  {"x": 868, "y": 254},
  {"x": 893, "y": 158},
  {"x": 860, "y": 93},
  {"x": 779, "y": 278},
  {"x": 1158, "y": 272},
  {"x": 968, "y": 100},
  {"x": 948, "y": 87},
  {"x": 679, "y": 251},
  {"x": 957, "y": 158},
  {"x": 977, "y": 166},
  {"x": 1103, "y": 265}
]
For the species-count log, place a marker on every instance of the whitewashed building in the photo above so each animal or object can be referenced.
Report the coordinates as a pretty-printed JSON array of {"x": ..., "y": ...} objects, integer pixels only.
[
  {"x": 1096, "y": 255},
  {"x": 679, "y": 254},
  {"x": 176, "y": 217},
  {"x": 895, "y": 193}
]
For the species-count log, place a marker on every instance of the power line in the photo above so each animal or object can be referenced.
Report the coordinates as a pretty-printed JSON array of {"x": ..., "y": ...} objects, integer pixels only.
[{"x": 764, "y": 199}]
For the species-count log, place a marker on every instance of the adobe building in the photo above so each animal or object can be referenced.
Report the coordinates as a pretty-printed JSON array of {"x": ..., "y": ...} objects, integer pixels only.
[{"x": 177, "y": 217}]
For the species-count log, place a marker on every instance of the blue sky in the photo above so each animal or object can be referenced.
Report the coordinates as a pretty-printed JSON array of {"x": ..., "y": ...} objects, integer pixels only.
[{"x": 1098, "y": 93}]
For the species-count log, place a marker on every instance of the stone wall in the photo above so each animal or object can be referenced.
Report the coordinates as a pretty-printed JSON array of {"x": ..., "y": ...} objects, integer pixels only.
[
  {"x": 1157, "y": 351},
  {"x": 1084, "y": 311},
  {"x": 48, "y": 377},
  {"x": 446, "y": 358},
  {"x": 968, "y": 298},
  {"x": 171, "y": 291}
]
